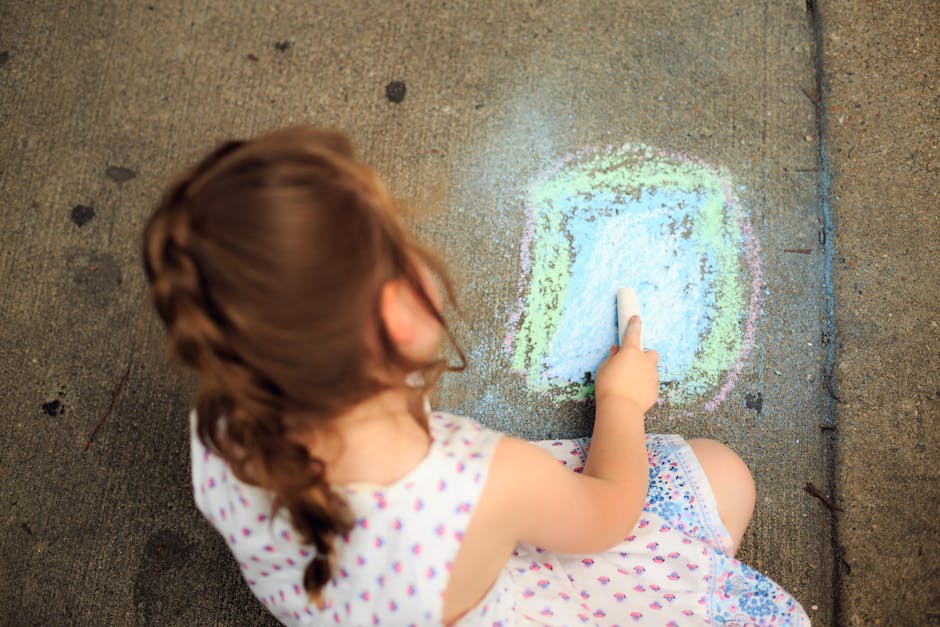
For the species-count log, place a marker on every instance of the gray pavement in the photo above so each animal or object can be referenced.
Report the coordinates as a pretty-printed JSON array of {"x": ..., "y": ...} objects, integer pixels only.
[
  {"x": 882, "y": 121},
  {"x": 816, "y": 131}
]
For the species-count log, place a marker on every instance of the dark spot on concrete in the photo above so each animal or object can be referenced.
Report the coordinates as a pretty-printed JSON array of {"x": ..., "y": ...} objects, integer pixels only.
[
  {"x": 119, "y": 174},
  {"x": 251, "y": 57},
  {"x": 82, "y": 215},
  {"x": 156, "y": 586},
  {"x": 54, "y": 408},
  {"x": 4, "y": 57},
  {"x": 282, "y": 46},
  {"x": 754, "y": 401},
  {"x": 97, "y": 274},
  {"x": 26, "y": 528},
  {"x": 395, "y": 91},
  {"x": 165, "y": 549},
  {"x": 150, "y": 7}
]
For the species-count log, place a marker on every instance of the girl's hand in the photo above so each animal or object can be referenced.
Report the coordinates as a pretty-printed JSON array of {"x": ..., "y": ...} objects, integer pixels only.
[{"x": 629, "y": 373}]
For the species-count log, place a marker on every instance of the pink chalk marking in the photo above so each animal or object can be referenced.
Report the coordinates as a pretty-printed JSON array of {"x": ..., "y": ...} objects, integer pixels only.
[{"x": 752, "y": 256}]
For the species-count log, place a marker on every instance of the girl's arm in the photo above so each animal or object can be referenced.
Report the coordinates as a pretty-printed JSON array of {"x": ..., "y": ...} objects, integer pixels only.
[
  {"x": 556, "y": 509},
  {"x": 530, "y": 497}
]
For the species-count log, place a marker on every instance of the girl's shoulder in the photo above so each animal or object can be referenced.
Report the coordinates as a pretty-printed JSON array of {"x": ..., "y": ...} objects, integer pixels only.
[
  {"x": 460, "y": 442},
  {"x": 460, "y": 453},
  {"x": 457, "y": 444},
  {"x": 451, "y": 430}
]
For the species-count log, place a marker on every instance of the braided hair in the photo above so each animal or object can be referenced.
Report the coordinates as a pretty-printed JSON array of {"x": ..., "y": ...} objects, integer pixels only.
[{"x": 265, "y": 263}]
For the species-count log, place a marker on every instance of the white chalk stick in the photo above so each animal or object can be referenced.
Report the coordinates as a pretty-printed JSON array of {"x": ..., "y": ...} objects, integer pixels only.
[{"x": 628, "y": 305}]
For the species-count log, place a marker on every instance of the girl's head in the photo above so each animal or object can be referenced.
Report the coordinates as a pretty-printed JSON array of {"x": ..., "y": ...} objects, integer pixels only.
[{"x": 286, "y": 280}]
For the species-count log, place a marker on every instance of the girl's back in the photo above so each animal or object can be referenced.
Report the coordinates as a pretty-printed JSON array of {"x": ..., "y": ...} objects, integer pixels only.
[{"x": 395, "y": 563}]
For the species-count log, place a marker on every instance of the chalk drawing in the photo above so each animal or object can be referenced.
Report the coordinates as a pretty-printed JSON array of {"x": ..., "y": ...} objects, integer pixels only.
[{"x": 666, "y": 224}]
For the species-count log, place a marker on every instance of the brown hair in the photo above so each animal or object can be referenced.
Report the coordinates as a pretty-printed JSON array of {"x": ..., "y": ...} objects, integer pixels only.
[{"x": 266, "y": 262}]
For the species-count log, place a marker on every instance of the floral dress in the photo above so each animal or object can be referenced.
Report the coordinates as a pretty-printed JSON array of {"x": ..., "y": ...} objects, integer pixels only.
[{"x": 393, "y": 567}]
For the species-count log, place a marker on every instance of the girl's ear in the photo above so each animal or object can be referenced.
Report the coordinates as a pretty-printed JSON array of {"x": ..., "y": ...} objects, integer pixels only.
[
  {"x": 397, "y": 312},
  {"x": 414, "y": 331}
]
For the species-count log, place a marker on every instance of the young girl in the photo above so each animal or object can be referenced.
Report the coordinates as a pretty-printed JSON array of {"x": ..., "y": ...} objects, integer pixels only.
[{"x": 314, "y": 323}]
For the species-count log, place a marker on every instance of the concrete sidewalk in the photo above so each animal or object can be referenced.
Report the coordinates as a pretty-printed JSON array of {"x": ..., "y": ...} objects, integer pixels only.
[
  {"x": 809, "y": 138},
  {"x": 881, "y": 121}
]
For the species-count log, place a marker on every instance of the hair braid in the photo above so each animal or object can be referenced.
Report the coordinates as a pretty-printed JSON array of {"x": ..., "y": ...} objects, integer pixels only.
[{"x": 242, "y": 414}]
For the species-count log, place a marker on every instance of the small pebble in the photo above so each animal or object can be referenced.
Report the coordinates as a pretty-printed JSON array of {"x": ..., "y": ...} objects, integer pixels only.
[
  {"x": 120, "y": 174},
  {"x": 808, "y": 138},
  {"x": 814, "y": 607}
]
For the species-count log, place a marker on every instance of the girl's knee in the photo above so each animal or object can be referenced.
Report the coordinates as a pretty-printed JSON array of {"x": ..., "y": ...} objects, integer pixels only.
[
  {"x": 726, "y": 466},
  {"x": 731, "y": 482}
]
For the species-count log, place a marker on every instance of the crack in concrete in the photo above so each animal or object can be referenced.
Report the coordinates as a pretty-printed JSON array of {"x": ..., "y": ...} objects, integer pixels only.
[{"x": 827, "y": 237}]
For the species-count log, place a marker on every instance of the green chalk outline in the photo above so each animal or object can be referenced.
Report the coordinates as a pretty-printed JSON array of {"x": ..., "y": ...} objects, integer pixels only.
[{"x": 715, "y": 235}]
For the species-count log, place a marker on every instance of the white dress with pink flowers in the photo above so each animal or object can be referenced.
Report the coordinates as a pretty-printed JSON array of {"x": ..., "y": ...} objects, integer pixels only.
[{"x": 393, "y": 567}]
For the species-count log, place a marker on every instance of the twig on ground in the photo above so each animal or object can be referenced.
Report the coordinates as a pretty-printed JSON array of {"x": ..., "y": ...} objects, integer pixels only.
[
  {"x": 809, "y": 487},
  {"x": 135, "y": 342},
  {"x": 107, "y": 412},
  {"x": 827, "y": 381}
]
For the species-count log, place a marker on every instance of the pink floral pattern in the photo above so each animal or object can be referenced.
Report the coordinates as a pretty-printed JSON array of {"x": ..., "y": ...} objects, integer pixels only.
[{"x": 393, "y": 567}]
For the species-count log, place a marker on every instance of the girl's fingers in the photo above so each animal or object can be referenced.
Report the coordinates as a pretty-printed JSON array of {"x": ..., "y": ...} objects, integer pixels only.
[{"x": 633, "y": 333}]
